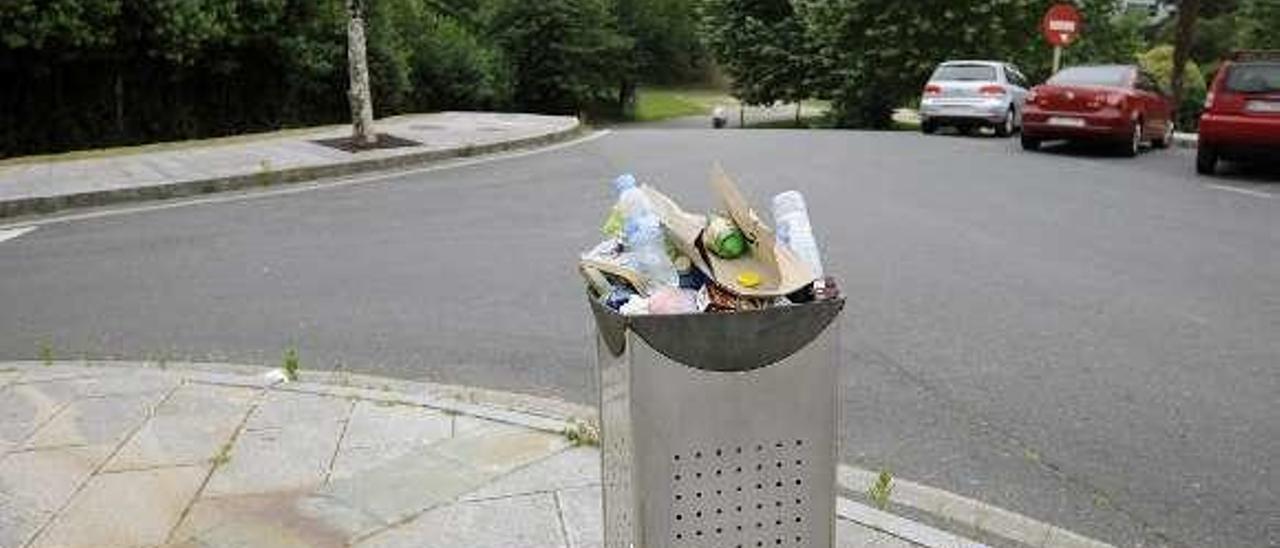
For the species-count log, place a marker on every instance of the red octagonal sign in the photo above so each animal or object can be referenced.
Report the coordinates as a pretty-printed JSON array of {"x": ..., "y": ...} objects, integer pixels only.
[{"x": 1061, "y": 25}]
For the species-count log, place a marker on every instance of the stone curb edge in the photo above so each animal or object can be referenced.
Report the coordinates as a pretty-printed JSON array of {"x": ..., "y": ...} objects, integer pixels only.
[
  {"x": 183, "y": 189},
  {"x": 1186, "y": 140},
  {"x": 532, "y": 412},
  {"x": 555, "y": 416},
  {"x": 970, "y": 515}
]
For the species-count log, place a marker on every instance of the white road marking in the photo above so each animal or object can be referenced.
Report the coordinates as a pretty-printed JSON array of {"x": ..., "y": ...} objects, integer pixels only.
[
  {"x": 1245, "y": 191},
  {"x": 243, "y": 195},
  {"x": 11, "y": 233}
]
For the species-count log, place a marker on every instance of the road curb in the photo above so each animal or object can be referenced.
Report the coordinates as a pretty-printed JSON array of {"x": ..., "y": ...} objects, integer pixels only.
[
  {"x": 972, "y": 517},
  {"x": 543, "y": 414},
  {"x": 1186, "y": 140},
  {"x": 196, "y": 187}
]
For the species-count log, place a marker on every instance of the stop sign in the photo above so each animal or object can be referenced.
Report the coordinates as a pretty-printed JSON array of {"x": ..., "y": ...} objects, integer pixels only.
[{"x": 1061, "y": 25}]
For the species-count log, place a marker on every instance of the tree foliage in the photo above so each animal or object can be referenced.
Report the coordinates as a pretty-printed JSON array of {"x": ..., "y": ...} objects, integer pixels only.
[
  {"x": 78, "y": 73},
  {"x": 667, "y": 48},
  {"x": 880, "y": 52},
  {"x": 566, "y": 54},
  {"x": 765, "y": 48},
  {"x": 1260, "y": 24}
]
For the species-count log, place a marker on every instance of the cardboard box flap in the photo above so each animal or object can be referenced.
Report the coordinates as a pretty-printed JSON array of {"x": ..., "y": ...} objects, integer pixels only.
[{"x": 780, "y": 271}]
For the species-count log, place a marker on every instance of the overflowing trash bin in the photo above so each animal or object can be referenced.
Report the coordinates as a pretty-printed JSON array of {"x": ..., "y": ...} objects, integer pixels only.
[{"x": 717, "y": 345}]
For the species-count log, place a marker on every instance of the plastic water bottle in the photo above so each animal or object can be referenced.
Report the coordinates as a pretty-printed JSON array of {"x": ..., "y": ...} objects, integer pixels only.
[
  {"x": 792, "y": 218},
  {"x": 642, "y": 234}
]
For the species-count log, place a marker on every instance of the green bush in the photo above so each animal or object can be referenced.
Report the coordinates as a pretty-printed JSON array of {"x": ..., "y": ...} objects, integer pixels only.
[{"x": 1159, "y": 62}]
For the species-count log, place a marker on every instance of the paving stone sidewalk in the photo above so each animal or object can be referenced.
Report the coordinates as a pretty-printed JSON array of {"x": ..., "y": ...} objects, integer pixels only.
[
  {"x": 49, "y": 183},
  {"x": 221, "y": 456}
]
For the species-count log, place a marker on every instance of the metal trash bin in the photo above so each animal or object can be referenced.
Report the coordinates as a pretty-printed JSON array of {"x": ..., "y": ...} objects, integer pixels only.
[{"x": 719, "y": 429}]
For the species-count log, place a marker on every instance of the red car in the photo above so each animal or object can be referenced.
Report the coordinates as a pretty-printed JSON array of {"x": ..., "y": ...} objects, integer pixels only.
[
  {"x": 1241, "y": 117},
  {"x": 1119, "y": 104}
]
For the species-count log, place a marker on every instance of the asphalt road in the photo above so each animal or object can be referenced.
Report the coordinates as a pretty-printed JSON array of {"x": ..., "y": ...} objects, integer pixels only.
[{"x": 1092, "y": 341}]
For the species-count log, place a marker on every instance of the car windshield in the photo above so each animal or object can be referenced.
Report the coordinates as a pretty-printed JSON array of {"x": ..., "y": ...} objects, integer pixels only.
[
  {"x": 1093, "y": 76},
  {"x": 1254, "y": 78},
  {"x": 964, "y": 73}
]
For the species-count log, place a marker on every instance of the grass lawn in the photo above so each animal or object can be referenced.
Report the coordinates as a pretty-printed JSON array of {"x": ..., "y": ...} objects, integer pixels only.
[{"x": 662, "y": 103}]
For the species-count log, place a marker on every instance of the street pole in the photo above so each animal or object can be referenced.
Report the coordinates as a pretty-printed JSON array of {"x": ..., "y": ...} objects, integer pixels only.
[{"x": 1057, "y": 58}]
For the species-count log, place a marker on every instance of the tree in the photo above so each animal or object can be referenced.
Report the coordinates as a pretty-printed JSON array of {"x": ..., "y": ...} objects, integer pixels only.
[
  {"x": 1260, "y": 24},
  {"x": 668, "y": 46},
  {"x": 567, "y": 55},
  {"x": 363, "y": 132},
  {"x": 1188, "y": 11},
  {"x": 764, "y": 47},
  {"x": 1110, "y": 35}
]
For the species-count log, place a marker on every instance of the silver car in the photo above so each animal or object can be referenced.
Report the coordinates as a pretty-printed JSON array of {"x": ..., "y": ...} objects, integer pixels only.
[{"x": 968, "y": 95}]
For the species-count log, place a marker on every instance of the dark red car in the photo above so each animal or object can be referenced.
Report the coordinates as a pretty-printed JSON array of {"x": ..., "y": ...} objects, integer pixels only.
[
  {"x": 1241, "y": 117},
  {"x": 1119, "y": 104}
]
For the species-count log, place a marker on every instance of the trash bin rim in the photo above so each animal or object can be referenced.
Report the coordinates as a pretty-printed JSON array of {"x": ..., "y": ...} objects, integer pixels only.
[{"x": 759, "y": 337}]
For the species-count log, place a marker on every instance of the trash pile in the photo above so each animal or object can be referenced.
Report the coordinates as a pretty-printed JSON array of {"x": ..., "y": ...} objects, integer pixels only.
[{"x": 660, "y": 259}]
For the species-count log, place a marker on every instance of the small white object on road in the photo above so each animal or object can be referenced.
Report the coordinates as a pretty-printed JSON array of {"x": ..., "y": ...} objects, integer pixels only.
[{"x": 276, "y": 376}]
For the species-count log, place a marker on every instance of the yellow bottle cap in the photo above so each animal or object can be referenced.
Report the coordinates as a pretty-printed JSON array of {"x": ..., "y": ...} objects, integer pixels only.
[{"x": 748, "y": 279}]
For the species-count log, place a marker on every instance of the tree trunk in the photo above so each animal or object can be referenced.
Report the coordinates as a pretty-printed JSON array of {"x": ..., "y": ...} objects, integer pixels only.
[
  {"x": 798, "y": 105},
  {"x": 363, "y": 132},
  {"x": 1188, "y": 11},
  {"x": 627, "y": 99},
  {"x": 119, "y": 96}
]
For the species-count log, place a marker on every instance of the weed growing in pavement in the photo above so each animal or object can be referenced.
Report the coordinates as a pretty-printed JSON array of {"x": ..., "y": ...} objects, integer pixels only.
[
  {"x": 880, "y": 491},
  {"x": 291, "y": 364},
  {"x": 161, "y": 361},
  {"x": 223, "y": 456},
  {"x": 265, "y": 173},
  {"x": 46, "y": 353},
  {"x": 582, "y": 432}
]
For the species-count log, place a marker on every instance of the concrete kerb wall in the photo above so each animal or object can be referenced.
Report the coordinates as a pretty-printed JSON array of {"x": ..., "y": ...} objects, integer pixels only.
[
  {"x": 182, "y": 189},
  {"x": 556, "y": 416}
]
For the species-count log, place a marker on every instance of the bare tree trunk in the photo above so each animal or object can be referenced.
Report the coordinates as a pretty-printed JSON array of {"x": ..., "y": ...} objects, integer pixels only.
[
  {"x": 363, "y": 131},
  {"x": 1188, "y": 11},
  {"x": 799, "y": 104},
  {"x": 119, "y": 96}
]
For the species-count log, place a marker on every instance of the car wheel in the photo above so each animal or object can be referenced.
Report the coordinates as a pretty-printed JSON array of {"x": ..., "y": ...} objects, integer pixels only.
[
  {"x": 1206, "y": 160},
  {"x": 1134, "y": 144},
  {"x": 928, "y": 128},
  {"x": 1030, "y": 143},
  {"x": 1005, "y": 128},
  {"x": 1165, "y": 139}
]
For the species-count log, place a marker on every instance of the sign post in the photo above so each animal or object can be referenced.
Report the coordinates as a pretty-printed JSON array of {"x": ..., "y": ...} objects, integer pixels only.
[{"x": 1060, "y": 26}]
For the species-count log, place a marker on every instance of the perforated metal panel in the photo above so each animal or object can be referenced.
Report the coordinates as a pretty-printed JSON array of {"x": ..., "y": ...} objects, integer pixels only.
[
  {"x": 743, "y": 495},
  {"x": 703, "y": 458}
]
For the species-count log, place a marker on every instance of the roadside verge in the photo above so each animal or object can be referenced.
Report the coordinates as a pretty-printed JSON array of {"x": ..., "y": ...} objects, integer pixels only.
[{"x": 46, "y": 186}]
